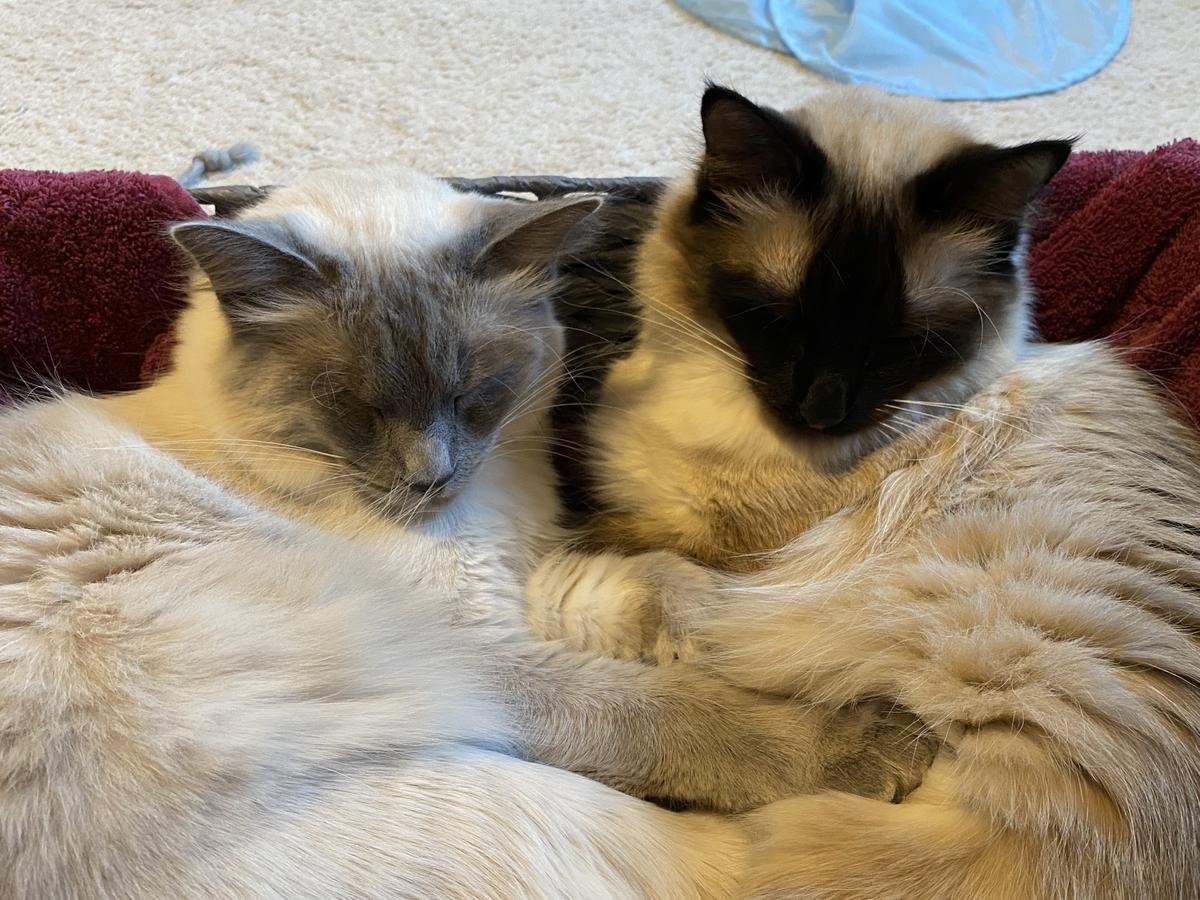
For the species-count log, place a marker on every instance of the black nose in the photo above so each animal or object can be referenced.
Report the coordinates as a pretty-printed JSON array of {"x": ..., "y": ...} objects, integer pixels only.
[
  {"x": 824, "y": 404},
  {"x": 431, "y": 487}
]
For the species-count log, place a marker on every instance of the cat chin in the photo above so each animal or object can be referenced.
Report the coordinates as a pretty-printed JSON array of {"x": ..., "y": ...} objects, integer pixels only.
[
  {"x": 402, "y": 507},
  {"x": 838, "y": 453}
]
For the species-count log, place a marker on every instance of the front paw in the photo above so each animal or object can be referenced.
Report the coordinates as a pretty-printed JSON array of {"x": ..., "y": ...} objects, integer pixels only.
[
  {"x": 885, "y": 751},
  {"x": 619, "y": 606},
  {"x": 740, "y": 750}
]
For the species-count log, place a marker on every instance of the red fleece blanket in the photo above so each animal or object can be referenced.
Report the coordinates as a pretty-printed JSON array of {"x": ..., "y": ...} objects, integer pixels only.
[
  {"x": 88, "y": 283},
  {"x": 88, "y": 279},
  {"x": 1116, "y": 252}
]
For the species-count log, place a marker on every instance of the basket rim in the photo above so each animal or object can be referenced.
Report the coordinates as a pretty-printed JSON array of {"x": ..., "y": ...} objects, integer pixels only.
[{"x": 228, "y": 199}]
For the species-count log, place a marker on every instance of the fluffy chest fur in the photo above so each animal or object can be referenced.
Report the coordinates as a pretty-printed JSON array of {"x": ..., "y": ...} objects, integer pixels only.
[
  {"x": 707, "y": 478},
  {"x": 687, "y": 460},
  {"x": 732, "y": 487}
]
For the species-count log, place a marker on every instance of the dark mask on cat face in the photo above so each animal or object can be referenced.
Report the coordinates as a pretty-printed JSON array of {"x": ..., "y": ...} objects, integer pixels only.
[
  {"x": 848, "y": 270},
  {"x": 404, "y": 362}
]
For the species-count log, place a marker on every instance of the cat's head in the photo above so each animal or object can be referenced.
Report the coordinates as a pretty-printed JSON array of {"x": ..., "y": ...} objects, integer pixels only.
[
  {"x": 387, "y": 321},
  {"x": 856, "y": 253}
]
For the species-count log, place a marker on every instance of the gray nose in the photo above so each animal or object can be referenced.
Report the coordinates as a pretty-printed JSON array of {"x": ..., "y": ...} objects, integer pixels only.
[
  {"x": 825, "y": 403},
  {"x": 429, "y": 465}
]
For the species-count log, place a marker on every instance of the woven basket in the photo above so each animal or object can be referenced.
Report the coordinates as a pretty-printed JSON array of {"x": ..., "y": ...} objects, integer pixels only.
[
  {"x": 228, "y": 199},
  {"x": 595, "y": 304}
]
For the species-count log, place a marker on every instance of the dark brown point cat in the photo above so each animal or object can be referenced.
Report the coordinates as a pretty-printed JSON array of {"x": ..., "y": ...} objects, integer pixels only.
[{"x": 835, "y": 393}]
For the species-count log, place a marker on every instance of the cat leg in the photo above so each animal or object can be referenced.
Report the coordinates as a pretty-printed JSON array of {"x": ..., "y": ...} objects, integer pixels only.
[
  {"x": 838, "y": 847},
  {"x": 459, "y": 824},
  {"x": 474, "y": 824},
  {"x": 637, "y": 607},
  {"x": 985, "y": 825},
  {"x": 676, "y": 733},
  {"x": 1065, "y": 690}
]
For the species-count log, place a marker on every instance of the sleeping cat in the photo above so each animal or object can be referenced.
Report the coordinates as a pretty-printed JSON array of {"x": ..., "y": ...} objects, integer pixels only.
[
  {"x": 260, "y": 623},
  {"x": 835, "y": 399}
]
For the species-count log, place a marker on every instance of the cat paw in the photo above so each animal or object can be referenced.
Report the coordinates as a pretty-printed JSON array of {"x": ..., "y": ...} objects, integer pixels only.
[
  {"x": 887, "y": 752},
  {"x": 619, "y": 606}
]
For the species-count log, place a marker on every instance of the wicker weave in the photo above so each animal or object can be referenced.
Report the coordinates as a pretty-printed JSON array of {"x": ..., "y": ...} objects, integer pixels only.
[{"x": 228, "y": 199}]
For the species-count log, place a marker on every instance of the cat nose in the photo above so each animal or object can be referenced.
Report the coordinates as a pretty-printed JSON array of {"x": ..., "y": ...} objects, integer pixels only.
[
  {"x": 430, "y": 487},
  {"x": 429, "y": 464},
  {"x": 824, "y": 404}
]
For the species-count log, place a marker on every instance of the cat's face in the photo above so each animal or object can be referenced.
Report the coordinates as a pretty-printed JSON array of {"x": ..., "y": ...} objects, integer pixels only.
[
  {"x": 854, "y": 251},
  {"x": 396, "y": 334}
]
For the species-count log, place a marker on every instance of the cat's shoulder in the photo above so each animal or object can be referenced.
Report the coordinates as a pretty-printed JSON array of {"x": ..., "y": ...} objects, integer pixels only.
[
  {"x": 57, "y": 451},
  {"x": 1093, "y": 387}
]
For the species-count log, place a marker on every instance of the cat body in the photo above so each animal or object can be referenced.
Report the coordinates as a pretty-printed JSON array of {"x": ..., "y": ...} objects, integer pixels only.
[
  {"x": 834, "y": 400},
  {"x": 261, "y": 622},
  {"x": 205, "y": 699}
]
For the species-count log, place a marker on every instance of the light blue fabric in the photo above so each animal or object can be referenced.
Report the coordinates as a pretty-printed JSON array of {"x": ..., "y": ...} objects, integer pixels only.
[{"x": 951, "y": 49}]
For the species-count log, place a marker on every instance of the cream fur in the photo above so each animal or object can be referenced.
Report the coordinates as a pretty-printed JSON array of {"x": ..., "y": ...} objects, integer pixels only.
[
  {"x": 1025, "y": 579},
  {"x": 202, "y": 699}
]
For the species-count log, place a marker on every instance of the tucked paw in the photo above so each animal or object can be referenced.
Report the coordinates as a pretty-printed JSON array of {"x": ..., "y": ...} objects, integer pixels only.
[
  {"x": 887, "y": 752},
  {"x": 616, "y": 605},
  {"x": 670, "y": 585}
]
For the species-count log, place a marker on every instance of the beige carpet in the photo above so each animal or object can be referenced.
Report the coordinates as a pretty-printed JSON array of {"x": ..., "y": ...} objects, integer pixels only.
[{"x": 469, "y": 87}]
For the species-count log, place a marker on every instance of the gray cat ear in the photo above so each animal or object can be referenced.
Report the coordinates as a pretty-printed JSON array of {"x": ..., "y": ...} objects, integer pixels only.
[
  {"x": 536, "y": 235},
  {"x": 993, "y": 184},
  {"x": 246, "y": 261}
]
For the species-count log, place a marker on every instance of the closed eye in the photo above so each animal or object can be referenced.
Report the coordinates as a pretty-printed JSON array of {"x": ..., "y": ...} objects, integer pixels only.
[
  {"x": 482, "y": 405},
  {"x": 490, "y": 392},
  {"x": 763, "y": 335}
]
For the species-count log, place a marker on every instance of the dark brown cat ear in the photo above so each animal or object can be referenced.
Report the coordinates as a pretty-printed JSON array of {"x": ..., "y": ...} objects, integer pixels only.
[
  {"x": 751, "y": 149},
  {"x": 536, "y": 235},
  {"x": 247, "y": 263},
  {"x": 992, "y": 184}
]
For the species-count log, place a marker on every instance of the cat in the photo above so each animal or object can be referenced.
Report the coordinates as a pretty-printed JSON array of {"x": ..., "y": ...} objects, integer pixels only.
[
  {"x": 835, "y": 399},
  {"x": 261, "y": 622}
]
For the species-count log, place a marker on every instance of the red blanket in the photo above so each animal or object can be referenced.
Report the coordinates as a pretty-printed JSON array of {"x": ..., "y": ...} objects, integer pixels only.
[
  {"x": 88, "y": 282},
  {"x": 87, "y": 278},
  {"x": 1116, "y": 252}
]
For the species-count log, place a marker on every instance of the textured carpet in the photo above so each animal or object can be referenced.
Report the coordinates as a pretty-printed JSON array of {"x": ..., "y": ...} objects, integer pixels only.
[{"x": 472, "y": 88}]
